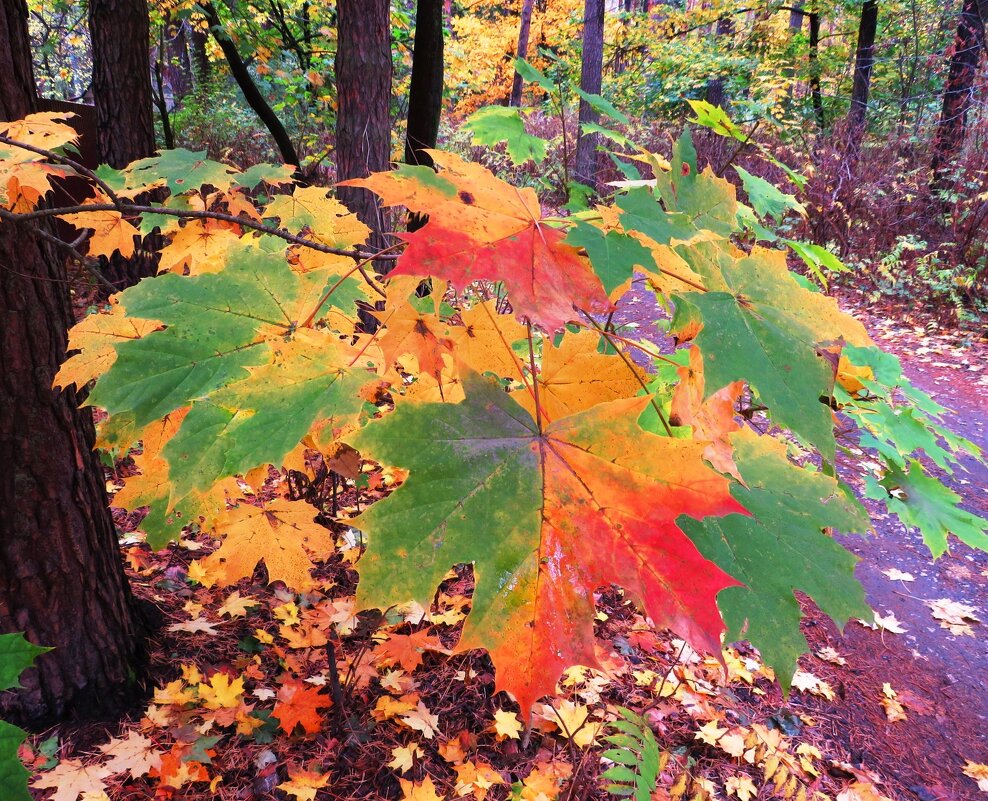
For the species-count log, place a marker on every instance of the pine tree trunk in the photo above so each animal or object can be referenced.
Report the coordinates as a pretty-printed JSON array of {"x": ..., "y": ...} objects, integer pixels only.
[
  {"x": 864, "y": 61},
  {"x": 121, "y": 80},
  {"x": 61, "y": 573},
  {"x": 958, "y": 91},
  {"x": 363, "y": 121},
  {"x": 524, "y": 29},
  {"x": 585, "y": 170}
]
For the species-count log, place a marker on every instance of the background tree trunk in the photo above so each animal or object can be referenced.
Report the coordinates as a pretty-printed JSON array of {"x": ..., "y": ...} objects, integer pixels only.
[
  {"x": 61, "y": 573},
  {"x": 425, "y": 93},
  {"x": 363, "y": 120},
  {"x": 524, "y": 28},
  {"x": 121, "y": 80},
  {"x": 814, "y": 68},
  {"x": 201, "y": 68},
  {"x": 864, "y": 61},
  {"x": 715, "y": 86},
  {"x": 250, "y": 91},
  {"x": 958, "y": 91},
  {"x": 590, "y": 77}
]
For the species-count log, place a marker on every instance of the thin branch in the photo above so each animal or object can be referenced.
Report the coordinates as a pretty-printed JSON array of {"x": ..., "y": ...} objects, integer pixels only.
[
  {"x": 634, "y": 372},
  {"x": 58, "y": 157}
]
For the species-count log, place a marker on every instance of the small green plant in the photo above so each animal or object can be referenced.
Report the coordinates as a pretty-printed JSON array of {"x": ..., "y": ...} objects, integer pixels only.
[{"x": 636, "y": 757}]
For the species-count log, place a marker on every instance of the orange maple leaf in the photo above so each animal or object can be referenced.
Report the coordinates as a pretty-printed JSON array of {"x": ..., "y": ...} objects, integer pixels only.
[{"x": 298, "y": 702}]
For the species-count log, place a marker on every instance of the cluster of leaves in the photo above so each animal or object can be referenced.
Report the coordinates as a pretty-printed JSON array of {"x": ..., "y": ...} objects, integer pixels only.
[
  {"x": 526, "y": 432},
  {"x": 16, "y": 656}
]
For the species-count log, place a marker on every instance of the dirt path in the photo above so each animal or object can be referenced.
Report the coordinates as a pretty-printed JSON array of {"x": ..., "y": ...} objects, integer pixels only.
[{"x": 940, "y": 677}]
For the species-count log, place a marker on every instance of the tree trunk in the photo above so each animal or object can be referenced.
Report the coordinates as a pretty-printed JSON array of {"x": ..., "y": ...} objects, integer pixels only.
[
  {"x": 363, "y": 120},
  {"x": 590, "y": 77},
  {"x": 201, "y": 68},
  {"x": 864, "y": 61},
  {"x": 814, "y": 65},
  {"x": 425, "y": 94},
  {"x": 249, "y": 89},
  {"x": 715, "y": 86},
  {"x": 958, "y": 91},
  {"x": 61, "y": 574},
  {"x": 121, "y": 80},
  {"x": 524, "y": 28}
]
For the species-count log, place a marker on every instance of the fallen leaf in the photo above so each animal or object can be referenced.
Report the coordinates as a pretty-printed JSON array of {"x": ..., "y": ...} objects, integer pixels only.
[
  {"x": 897, "y": 575},
  {"x": 299, "y": 703},
  {"x": 891, "y": 704},
  {"x": 70, "y": 779},
  {"x": 421, "y": 719},
  {"x": 979, "y": 773},
  {"x": 507, "y": 725},
  {"x": 419, "y": 791},
  {"x": 303, "y": 784},
  {"x": 135, "y": 754},
  {"x": 954, "y": 616}
]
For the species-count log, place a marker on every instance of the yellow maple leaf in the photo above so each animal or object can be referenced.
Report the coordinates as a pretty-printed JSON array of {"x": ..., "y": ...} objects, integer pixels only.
[
  {"x": 303, "y": 784},
  {"x": 200, "y": 245},
  {"x": 236, "y": 605},
  {"x": 507, "y": 725},
  {"x": 278, "y": 532},
  {"x": 485, "y": 339},
  {"x": 403, "y": 757},
  {"x": 71, "y": 778},
  {"x": 111, "y": 232},
  {"x": 134, "y": 754},
  {"x": 48, "y": 130},
  {"x": 576, "y": 376},
  {"x": 221, "y": 693},
  {"x": 742, "y": 787},
  {"x": 978, "y": 772},
  {"x": 894, "y": 710},
  {"x": 574, "y": 721},
  {"x": 421, "y": 719},
  {"x": 96, "y": 336},
  {"x": 424, "y": 790},
  {"x": 476, "y": 778}
]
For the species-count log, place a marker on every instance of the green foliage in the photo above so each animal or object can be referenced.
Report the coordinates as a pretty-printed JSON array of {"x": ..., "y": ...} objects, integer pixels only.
[
  {"x": 636, "y": 757},
  {"x": 16, "y": 655},
  {"x": 493, "y": 125}
]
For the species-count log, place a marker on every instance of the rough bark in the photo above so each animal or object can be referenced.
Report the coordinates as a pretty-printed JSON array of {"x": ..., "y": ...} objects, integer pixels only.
[
  {"x": 121, "y": 80},
  {"x": 590, "y": 78},
  {"x": 61, "y": 573},
  {"x": 363, "y": 121},
  {"x": 249, "y": 89},
  {"x": 524, "y": 29},
  {"x": 864, "y": 62},
  {"x": 958, "y": 91}
]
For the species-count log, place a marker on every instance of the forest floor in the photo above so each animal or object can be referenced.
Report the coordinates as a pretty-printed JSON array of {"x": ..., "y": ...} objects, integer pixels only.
[{"x": 414, "y": 722}]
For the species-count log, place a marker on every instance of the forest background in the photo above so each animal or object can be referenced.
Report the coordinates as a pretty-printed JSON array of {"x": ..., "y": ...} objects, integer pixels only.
[{"x": 870, "y": 121}]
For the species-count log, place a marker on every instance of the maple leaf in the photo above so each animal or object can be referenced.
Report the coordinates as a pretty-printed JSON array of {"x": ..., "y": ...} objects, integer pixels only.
[
  {"x": 13, "y": 774},
  {"x": 111, "y": 232},
  {"x": 303, "y": 784},
  {"x": 742, "y": 787},
  {"x": 298, "y": 702},
  {"x": 407, "y": 649},
  {"x": 761, "y": 325},
  {"x": 17, "y": 654},
  {"x": 421, "y": 719},
  {"x": 48, "y": 130},
  {"x": 476, "y": 778},
  {"x": 891, "y": 704},
  {"x": 507, "y": 725},
  {"x": 71, "y": 778},
  {"x": 311, "y": 207},
  {"x": 711, "y": 418},
  {"x": 221, "y": 693},
  {"x": 482, "y": 229},
  {"x": 236, "y": 605},
  {"x": 484, "y": 340},
  {"x": 198, "y": 625},
  {"x": 575, "y": 376},
  {"x": 781, "y": 547},
  {"x": 96, "y": 336},
  {"x": 954, "y": 616},
  {"x": 200, "y": 245},
  {"x": 135, "y": 754},
  {"x": 411, "y": 332},
  {"x": 424, "y": 790},
  {"x": 278, "y": 532},
  {"x": 978, "y": 772},
  {"x": 403, "y": 757},
  {"x": 589, "y": 500}
]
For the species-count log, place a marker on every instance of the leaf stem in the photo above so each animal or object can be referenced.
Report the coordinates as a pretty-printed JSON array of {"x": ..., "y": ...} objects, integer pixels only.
[{"x": 535, "y": 380}]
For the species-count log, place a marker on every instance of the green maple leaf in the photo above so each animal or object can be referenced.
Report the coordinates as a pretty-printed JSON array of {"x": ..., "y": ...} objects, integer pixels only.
[
  {"x": 181, "y": 170},
  {"x": 924, "y": 502},
  {"x": 760, "y": 325},
  {"x": 782, "y": 547},
  {"x": 547, "y": 517},
  {"x": 16, "y": 656},
  {"x": 217, "y": 326},
  {"x": 492, "y": 125},
  {"x": 13, "y": 774},
  {"x": 613, "y": 255}
]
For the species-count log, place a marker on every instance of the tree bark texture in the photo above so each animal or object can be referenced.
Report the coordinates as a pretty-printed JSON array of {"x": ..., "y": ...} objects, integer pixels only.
[
  {"x": 363, "y": 119},
  {"x": 524, "y": 29},
  {"x": 425, "y": 94},
  {"x": 958, "y": 91},
  {"x": 249, "y": 89},
  {"x": 864, "y": 62},
  {"x": 121, "y": 80},
  {"x": 61, "y": 573},
  {"x": 590, "y": 78}
]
